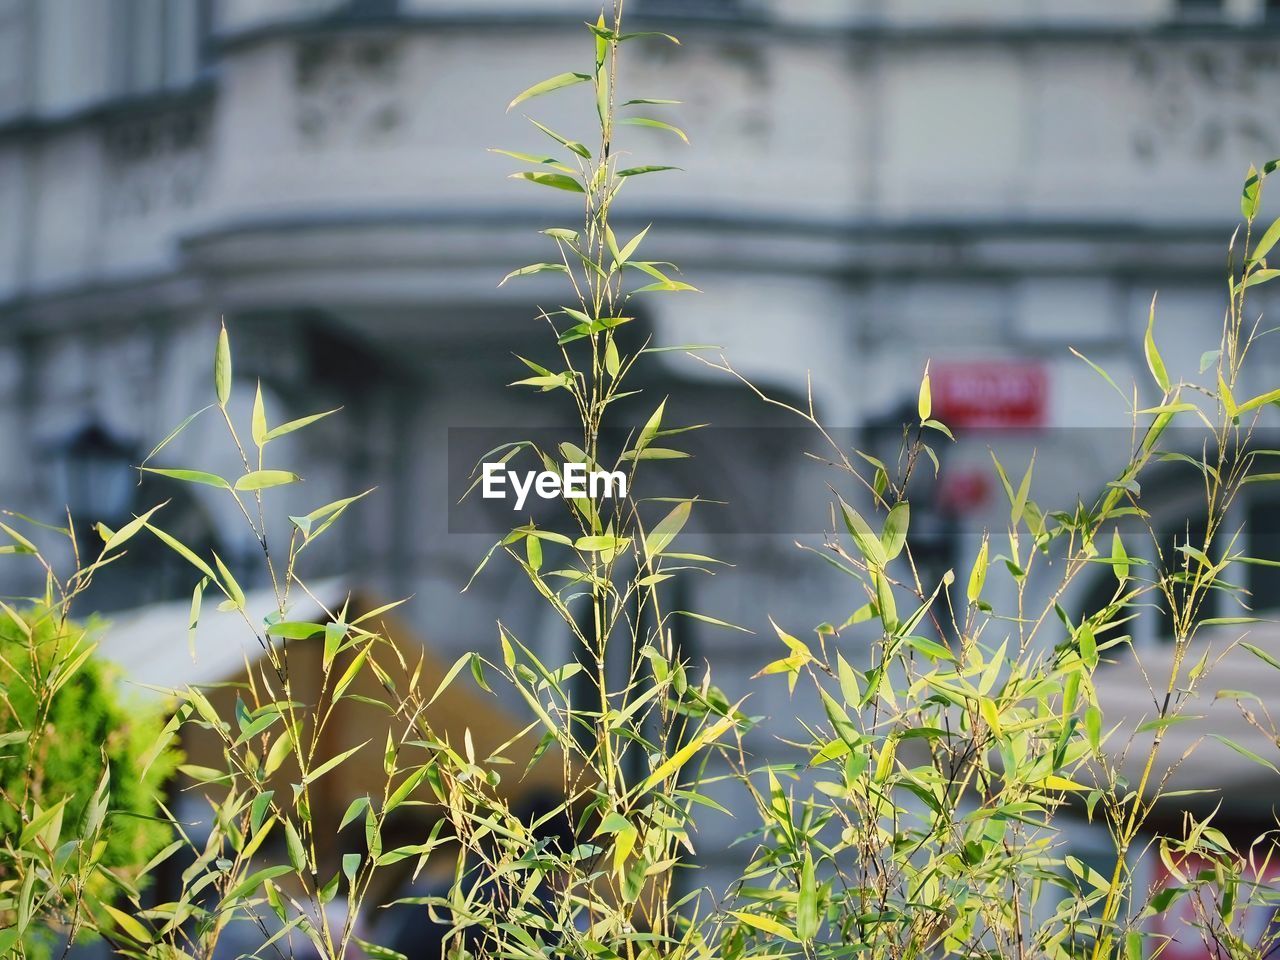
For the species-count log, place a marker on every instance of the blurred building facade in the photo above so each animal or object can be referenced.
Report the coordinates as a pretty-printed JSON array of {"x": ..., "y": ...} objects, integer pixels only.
[{"x": 871, "y": 184}]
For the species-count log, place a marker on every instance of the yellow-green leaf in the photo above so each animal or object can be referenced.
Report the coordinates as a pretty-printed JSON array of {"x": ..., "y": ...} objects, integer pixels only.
[
  {"x": 264, "y": 479},
  {"x": 558, "y": 82},
  {"x": 222, "y": 367},
  {"x": 258, "y": 426},
  {"x": 1154, "y": 362}
]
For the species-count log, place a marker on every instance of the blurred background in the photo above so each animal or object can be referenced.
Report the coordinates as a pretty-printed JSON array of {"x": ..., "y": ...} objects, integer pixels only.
[{"x": 870, "y": 185}]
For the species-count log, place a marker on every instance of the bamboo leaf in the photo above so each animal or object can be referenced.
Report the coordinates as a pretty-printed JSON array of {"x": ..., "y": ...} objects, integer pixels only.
[
  {"x": 978, "y": 575},
  {"x": 1154, "y": 362},
  {"x": 558, "y": 180},
  {"x": 128, "y": 925},
  {"x": 1267, "y": 241},
  {"x": 551, "y": 84},
  {"x": 265, "y": 479},
  {"x": 894, "y": 535},
  {"x": 666, "y": 529},
  {"x": 656, "y": 124},
  {"x": 707, "y": 735},
  {"x": 190, "y": 476},
  {"x": 1245, "y": 752},
  {"x": 766, "y": 924},
  {"x": 313, "y": 775},
  {"x": 286, "y": 428},
  {"x": 258, "y": 426},
  {"x": 222, "y": 367}
]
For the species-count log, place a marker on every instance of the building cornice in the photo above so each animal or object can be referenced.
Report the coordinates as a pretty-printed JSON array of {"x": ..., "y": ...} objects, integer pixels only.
[
  {"x": 857, "y": 31},
  {"x": 35, "y": 125}
]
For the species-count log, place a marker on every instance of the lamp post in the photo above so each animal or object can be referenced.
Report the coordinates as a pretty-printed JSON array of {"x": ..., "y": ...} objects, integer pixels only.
[{"x": 93, "y": 474}]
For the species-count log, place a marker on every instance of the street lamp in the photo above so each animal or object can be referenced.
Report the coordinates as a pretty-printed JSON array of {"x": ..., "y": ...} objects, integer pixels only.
[{"x": 93, "y": 474}]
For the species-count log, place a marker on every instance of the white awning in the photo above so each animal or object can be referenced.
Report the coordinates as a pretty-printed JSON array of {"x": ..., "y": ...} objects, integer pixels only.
[{"x": 152, "y": 645}]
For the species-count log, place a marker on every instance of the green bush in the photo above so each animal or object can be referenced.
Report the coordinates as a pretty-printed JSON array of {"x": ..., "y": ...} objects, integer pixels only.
[{"x": 63, "y": 723}]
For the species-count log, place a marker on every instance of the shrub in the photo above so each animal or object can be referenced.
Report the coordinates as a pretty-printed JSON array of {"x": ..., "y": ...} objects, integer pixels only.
[{"x": 78, "y": 752}]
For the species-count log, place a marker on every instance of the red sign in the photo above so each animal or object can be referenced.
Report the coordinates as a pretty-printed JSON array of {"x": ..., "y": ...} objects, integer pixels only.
[{"x": 996, "y": 394}]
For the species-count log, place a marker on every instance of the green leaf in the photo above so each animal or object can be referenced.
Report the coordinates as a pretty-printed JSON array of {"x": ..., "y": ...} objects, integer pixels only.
[
  {"x": 924, "y": 403},
  {"x": 354, "y": 810},
  {"x": 807, "y": 917},
  {"x": 1245, "y": 752},
  {"x": 258, "y": 427},
  {"x": 639, "y": 171},
  {"x": 867, "y": 542},
  {"x": 534, "y": 268},
  {"x": 264, "y": 479},
  {"x": 184, "y": 551},
  {"x": 656, "y": 124},
  {"x": 601, "y": 544},
  {"x": 222, "y": 367},
  {"x": 174, "y": 433},
  {"x": 256, "y": 880},
  {"x": 612, "y": 363},
  {"x": 558, "y": 180},
  {"x": 1228, "y": 401},
  {"x": 294, "y": 630},
  {"x": 190, "y": 476},
  {"x": 285, "y": 428},
  {"x": 707, "y": 735},
  {"x": 1093, "y": 727},
  {"x": 122, "y": 535},
  {"x": 666, "y": 529},
  {"x": 197, "y": 596},
  {"x": 766, "y": 924},
  {"x": 319, "y": 520},
  {"x": 258, "y": 810},
  {"x": 623, "y": 844},
  {"x": 1268, "y": 240},
  {"x": 894, "y": 535},
  {"x": 1119, "y": 557},
  {"x": 128, "y": 925},
  {"x": 558, "y": 82},
  {"x": 1250, "y": 194},
  {"x": 978, "y": 575},
  {"x": 314, "y": 775},
  {"x": 571, "y": 145},
  {"x": 555, "y": 164},
  {"x": 1271, "y": 396},
  {"x": 1262, "y": 655},
  {"x": 1259, "y": 277},
  {"x": 702, "y": 617},
  {"x": 234, "y": 593},
  {"x": 628, "y": 251},
  {"x": 1154, "y": 362},
  {"x": 293, "y": 844},
  {"x": 667, "y": 286}
]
